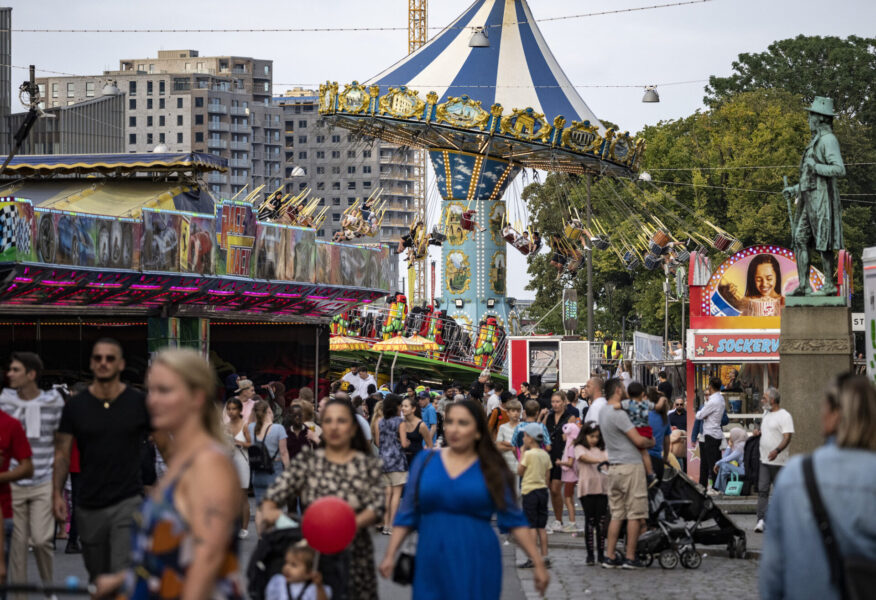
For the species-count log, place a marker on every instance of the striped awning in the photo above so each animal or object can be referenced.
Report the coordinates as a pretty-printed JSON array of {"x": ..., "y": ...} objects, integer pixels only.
[
  {"x": 29, "y": 164},
  {"x": 517, "y": 70}
]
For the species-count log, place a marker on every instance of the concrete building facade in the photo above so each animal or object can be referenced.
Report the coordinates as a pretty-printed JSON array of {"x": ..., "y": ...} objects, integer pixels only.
[
  {"x": 5, "y": 77},
  {"x": 192, "y": 103},
  {"x": 339, "y": 168}
]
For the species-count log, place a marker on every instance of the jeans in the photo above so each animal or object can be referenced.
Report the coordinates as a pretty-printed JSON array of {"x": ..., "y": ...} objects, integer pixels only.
[
  {"x": 724, "y": 471},
  {"x": 766, "y": 477},
  {"x": 34, "y": 522},
  {"x": 262, "y": 481},
  {"x": 710, "y": 454}
]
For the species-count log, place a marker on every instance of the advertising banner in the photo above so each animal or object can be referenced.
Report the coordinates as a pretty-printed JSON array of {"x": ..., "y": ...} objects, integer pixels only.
[
  {"x": 735, "y": 345},
  {"x": 570, "y": 310}
]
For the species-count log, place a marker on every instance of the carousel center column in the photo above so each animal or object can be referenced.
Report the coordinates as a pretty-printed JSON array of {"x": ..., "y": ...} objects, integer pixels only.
[{"x": 473, "y": 262}]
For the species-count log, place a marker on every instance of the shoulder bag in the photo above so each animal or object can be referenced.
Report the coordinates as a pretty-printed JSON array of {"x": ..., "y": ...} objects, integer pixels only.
[
  {"x": 734, "y": 486},
  {"x": 853, "y": 576},
  {"x": 403, "y": 572}
]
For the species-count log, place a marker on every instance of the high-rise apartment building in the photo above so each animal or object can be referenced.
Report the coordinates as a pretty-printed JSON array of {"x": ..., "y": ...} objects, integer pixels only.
[
  {"x": 191, "y": 103},
  {"x": 5, "y": 77},
  {"x": 339, "y": 169}
]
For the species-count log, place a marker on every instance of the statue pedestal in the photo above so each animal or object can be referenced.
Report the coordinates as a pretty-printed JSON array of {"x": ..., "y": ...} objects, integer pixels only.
[{"x": 816, "y": 345}]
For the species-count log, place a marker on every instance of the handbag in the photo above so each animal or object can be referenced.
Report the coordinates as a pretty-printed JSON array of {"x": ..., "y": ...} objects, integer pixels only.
[
  {"x": 734, "y": 486},
  {"x": 854, "y": 576},
  {"x": 403, "y": 572}
]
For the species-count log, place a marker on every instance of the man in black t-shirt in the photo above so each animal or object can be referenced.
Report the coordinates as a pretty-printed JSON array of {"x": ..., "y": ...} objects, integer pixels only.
[
  {"x": 664, "y": 387},
  {"x": 109, "y": 421}
]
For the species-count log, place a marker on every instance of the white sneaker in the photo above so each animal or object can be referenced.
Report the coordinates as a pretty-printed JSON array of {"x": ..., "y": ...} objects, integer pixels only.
[
  {"x": 243, "y": 533},
  {"x": 555, "y": 525},
  {"x": 759, "y": 527},
  {"x": 713, "y": 492},
  {"x": 570, "y": 528}
]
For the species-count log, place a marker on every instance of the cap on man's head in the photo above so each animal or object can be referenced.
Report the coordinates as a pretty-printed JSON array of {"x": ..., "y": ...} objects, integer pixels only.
[
  {"x": 420, "y": 388},
  {"x": 243, "y": 384},
  {"x": 423, "y": 394},
  {"x": 535, "y": 431}
]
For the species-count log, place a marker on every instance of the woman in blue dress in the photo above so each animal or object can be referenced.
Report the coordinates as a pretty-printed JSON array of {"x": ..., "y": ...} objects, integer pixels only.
[{"x": 461, "y": 487}]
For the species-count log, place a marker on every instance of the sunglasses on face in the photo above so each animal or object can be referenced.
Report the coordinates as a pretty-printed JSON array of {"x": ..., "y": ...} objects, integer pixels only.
[{"x": 109, "y": 358}]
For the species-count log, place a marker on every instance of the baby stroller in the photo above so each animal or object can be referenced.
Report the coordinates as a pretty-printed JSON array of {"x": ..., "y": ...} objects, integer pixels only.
[
  {"x": 711, "y": 527},
  {"x": 267, "y": 559},
  {"x": 670, "y": 539}
]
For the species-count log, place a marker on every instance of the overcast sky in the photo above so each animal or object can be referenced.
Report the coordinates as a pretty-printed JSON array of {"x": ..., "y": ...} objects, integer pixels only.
[{"x": 654, "y": 46}]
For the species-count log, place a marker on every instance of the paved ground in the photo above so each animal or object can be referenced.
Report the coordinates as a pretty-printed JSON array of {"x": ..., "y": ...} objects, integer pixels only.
[{"x": 570, "y": 578}]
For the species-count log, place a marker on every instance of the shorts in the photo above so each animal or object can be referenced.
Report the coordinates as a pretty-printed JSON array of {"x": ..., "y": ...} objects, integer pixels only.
[
  {"x": 535, "y": 507},
  {"x": 556, "y": 472},
  {"x": 627, "y": 492},
  {"x": 645, "y": 432},
  {"x": 395, "y": 478}
]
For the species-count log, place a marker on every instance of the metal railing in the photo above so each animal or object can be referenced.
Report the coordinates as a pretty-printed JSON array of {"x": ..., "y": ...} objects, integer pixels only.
[{"x": 212, "y": 107}]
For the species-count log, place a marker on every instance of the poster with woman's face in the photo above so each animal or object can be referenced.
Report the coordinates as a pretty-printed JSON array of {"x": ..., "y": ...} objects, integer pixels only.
[{"x": 754, "y": 282}]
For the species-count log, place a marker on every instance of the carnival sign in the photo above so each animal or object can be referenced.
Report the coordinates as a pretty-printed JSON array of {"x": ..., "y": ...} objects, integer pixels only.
[{"x": 724, "y": 345}]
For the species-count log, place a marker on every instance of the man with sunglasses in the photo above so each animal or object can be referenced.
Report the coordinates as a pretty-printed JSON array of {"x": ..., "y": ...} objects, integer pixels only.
[
  {"x": 39, "y": 412},
  {"x": 109, "y": 421},
  {"x": 678, "y": 415}
]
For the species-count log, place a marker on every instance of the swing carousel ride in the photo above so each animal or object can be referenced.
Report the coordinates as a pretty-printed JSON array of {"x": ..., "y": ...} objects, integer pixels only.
[{"x": 487, "y": 99}]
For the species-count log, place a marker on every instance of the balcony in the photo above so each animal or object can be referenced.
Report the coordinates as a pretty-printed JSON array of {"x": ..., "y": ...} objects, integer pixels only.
[
  {"x": 219, "y": 178},
  {"x": 237, "y": 128},
  {"x": 239, "y": 179},
  {"x": 217, "y": 126},
  {"x": 240, "y": 145},
  {"x": 217, "y": 108},
  {"x": 244, "y": 163},
  {"x": 216, "y": 143},
  {"x": 239, "y": 111}
]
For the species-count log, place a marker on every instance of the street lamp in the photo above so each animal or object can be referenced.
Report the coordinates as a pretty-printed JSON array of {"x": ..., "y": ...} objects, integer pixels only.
[
  {"x": 298, "y": 172},
  {"x": 651, "y": 94},
  {"x": 479, "y": 38}
]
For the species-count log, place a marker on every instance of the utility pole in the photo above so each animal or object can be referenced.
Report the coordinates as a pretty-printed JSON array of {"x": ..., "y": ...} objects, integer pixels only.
[
  {"x": 589, "y": 269},
  {"x": 418, "y": 19},
  {"x": 30, "y": 88}
]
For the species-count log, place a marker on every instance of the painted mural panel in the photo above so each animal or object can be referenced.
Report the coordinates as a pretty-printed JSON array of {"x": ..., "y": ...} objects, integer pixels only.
[
  {"x": 300, "y": 255},
  {"x": 498, "y": 272},
  {"x": 160, "y": 241},
  {"x": 236, "y": 235},
  {"x": 270, "y": 252},
  {"x": 328, "y": 263},
  {"x": 198, "y": 250},
  {"x": 17, "y": 232},
  {"x": 457, "y": 278}
]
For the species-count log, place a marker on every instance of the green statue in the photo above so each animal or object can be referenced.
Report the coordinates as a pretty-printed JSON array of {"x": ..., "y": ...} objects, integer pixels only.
[{"x": 818, "y": 222}]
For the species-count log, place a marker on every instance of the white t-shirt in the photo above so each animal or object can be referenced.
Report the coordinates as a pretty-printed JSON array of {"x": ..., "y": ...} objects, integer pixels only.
[
  {"x": 493, "y": 402},
  {"x": 360, "y": 386},
  {"x": 276, "y": 590},
  {"x": 594, "y": 410},
  {"x": 505, "y": 433},
  {"x": 350, "y": 378},
  {"x": 774, "y": 426}
]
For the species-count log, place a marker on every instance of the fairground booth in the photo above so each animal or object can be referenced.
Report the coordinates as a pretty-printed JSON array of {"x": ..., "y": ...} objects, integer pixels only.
[
  {"x": 735, "y": 319},
  {"x": 130, "y": 246}
]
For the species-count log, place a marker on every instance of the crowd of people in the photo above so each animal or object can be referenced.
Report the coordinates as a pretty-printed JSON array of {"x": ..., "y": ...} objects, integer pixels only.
[{"x": 153, "y": 488}]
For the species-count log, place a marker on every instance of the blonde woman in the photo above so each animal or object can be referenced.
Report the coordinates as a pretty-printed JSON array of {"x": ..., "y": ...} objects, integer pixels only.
[{"x": 196, "y": 504}]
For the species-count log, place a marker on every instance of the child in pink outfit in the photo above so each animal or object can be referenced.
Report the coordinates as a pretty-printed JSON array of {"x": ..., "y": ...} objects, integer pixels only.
[
  {"x": 592, "y": 488},
  {"x": 569, "y": 473}
]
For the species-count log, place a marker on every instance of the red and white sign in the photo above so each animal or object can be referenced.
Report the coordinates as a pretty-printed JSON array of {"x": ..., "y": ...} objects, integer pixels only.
[{"x": 739, "y": 345}]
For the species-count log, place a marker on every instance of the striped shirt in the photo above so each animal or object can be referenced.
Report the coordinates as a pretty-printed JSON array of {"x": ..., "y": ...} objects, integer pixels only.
[{"x": 40, "y": 418}]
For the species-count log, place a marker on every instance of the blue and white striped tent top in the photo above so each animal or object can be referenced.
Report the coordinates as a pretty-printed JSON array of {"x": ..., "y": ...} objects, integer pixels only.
[{"x": 517, "y": 70}]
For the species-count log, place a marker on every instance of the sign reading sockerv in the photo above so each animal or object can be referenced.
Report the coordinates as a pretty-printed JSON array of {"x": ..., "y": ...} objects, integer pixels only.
[{"x": 744, "y": 345}]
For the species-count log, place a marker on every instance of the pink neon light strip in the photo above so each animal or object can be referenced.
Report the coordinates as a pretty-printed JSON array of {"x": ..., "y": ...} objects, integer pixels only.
[
  {"x": 220, "y": 292},
  {"x": 56, "y": 283},
  {"x": 187, "y": 290},
  {"x": 282, "y": 295},
  {"x": 256, "y": 294},
  {"x": 141, "y": 286},
  {"x": 105, "y": 285},
  {"x": 24, "y": 280},
  {"x": 318, "y": 298}
]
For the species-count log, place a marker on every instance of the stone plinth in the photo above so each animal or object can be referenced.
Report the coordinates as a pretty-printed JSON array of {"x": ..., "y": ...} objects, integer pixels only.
[{"x": 816, "y": 345}]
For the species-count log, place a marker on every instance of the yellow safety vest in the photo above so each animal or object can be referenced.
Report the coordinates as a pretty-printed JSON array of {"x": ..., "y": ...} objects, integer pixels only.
[{"x": 614, "y": 350}]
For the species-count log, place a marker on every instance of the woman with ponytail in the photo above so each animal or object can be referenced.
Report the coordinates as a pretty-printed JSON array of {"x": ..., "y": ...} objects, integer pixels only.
[{"x": 450, "y": 498}]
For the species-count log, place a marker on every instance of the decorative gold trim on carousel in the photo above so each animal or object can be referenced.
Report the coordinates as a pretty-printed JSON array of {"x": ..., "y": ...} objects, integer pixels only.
[
  {"x": 582, "y": 137},
  {"x": 355, "y": 99},
  {"x": 492, "y": 313},
  {"x": 403, "y": 103},
  {"x": 502, "y": 178},
  {"x": 475, "y": 177},
  {"x": 452, "y": 271},
  {"x": 462, "y": 112},
  {"x": 521, "y": 124},
  {"x": 456, "y": 235},
  {"x": 464, "y": 320},
  {"x": 328, "y": 94}
]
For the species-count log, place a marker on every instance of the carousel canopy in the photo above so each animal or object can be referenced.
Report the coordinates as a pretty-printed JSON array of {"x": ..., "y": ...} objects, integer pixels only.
[
  {"x": 507, "y": 99},
  {"x": 516, "y": 70},
  {"x": 68, "y": 164}
]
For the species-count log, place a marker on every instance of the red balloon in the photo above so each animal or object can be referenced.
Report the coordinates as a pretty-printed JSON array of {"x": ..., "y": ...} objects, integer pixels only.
[{"x": 329, "y": 525}]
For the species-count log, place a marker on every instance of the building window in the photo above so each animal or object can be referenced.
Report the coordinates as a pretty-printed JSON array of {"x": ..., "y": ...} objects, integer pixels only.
[
  {"x": 351, "y": 170},
  {"x": 199, "y": 102},
  {"x": 149, "y": 88},
  {"x": 351, "y": 185},
  {"x": 336, "y": 185},
  {"x": 320, "y": 154},
  {"x": 351, "y": 200},
  {"x": 161, "y": 103},
  {"x": 302, "y": 156},
  {"x": 161, "y": 88},
  {"x": 321, "y": 233},
  {"x": 320, "y": 139},
  {"x": 179, "y": 138},
  {"x": 179, "y": 102},
  {"x": 302, "y": 124},
  {"x": 336, "y": 170},
  {"x": 336, "y": 139},
  {"x": 366, "y": 185},
  {"x": 336, "y": 154},
  {"x": 366, "y": 153},
  {"x": 89, "y": 89},
  {"x": 366, "y": 168},
  {"x": 302, "y": 139},
  {"x": 132, "y": 88},
  {"x": 132, "y": 104},
  {"x": 302, "y": 185},
  {"x": 161, "y": 138},
  {"x": 320, "y": 185},
  {"x": 54, "y": 90},
  {"x": 179, "y": 120},
  {"x": 336, "y": 217},
  {"x": 132, "y": 121},
  {"x": 351, "y": 154},
  {"x": 149, "y": 139},
  {"x": 199, "y": 119},
  {"x": 132, "y": 138},
  {"x": 149, "y": 121},
  {"x": 149, "y": 104},
  {"x": 336, "y": 201},
  {"x": 320, "y": 170},
  {"x": 161, "y": 120},
  {"x": 71, "y": 89},
  {"x": 199, "y": 136}
]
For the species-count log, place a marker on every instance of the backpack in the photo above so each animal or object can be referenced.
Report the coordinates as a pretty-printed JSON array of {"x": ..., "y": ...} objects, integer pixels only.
[
  {"x": 751, "y": 463},
  {"x": 260, "y": 460}
]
